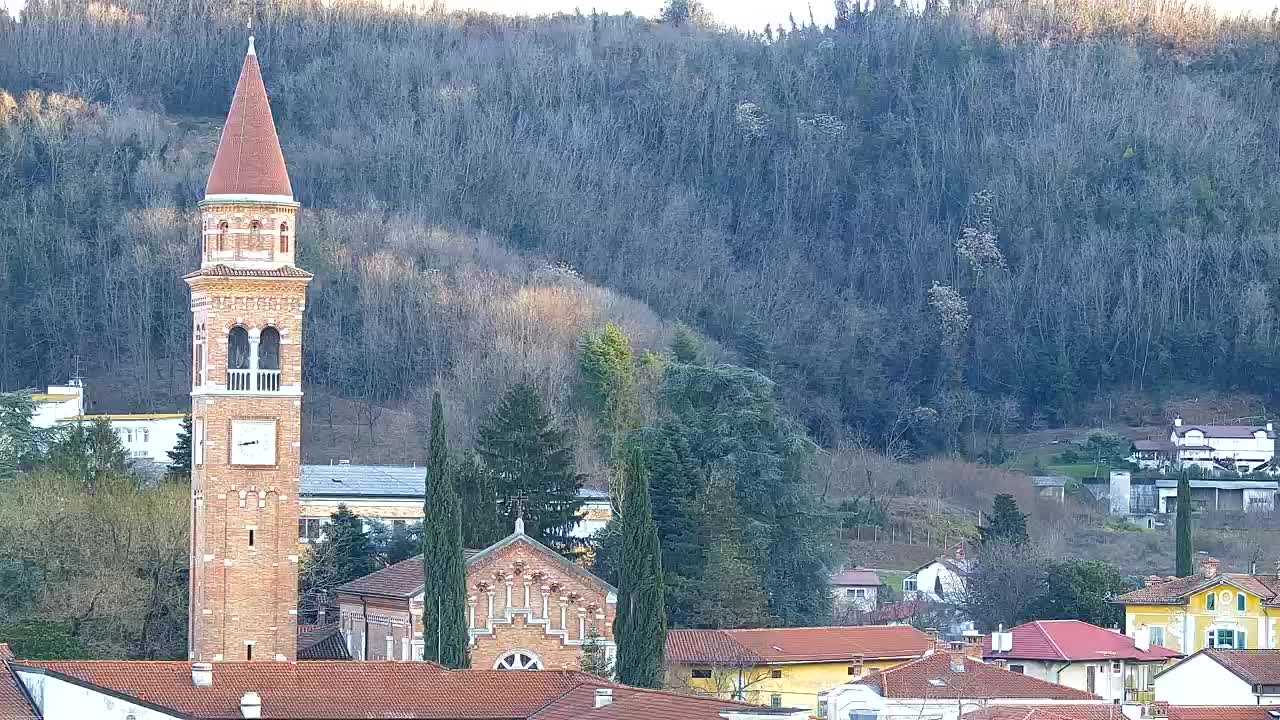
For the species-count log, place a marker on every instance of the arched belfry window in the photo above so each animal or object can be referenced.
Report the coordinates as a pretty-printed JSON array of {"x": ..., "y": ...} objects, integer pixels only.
[
  {"x": 255, "y": 234},
  {"x": 269, "y": 349},
  {"x": 284, "y": 237},
  {"x": 238, "y": 349},
  {"x": 222, "y": 236}
]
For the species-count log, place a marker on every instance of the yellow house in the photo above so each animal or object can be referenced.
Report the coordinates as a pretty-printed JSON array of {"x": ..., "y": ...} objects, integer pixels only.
[
  {"x": 785, "y": 667},
  {"x": 1208, "y": 609}
]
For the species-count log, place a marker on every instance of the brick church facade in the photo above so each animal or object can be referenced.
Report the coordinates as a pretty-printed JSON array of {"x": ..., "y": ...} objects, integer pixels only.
[
  {"x": 528, "y": 609},
  {"x": 247, "y": 300}
]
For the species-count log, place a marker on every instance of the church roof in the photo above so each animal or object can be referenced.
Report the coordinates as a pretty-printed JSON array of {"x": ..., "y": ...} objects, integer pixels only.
[
  {"x": 249, "y": 161},
  {"x": 322, "y": 642}
]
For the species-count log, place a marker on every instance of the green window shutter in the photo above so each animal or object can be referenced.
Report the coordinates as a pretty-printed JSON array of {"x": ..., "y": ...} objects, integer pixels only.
[
  {"x": 1240, "y": 640},
  {"x": 1209, "y": 601},
  {"x": 1240, "y": 602}
]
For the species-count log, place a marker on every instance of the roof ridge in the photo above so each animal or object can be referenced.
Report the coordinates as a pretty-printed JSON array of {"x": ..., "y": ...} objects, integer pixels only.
[{"x": 1056, "y": 648}]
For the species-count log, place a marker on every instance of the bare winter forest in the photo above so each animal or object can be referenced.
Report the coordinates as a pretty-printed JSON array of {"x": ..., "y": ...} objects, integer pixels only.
[{"x": 922, "y": 225}]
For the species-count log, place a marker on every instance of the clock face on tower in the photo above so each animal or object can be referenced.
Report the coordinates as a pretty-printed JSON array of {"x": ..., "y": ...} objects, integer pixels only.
[{"x": 253, "y": 442}]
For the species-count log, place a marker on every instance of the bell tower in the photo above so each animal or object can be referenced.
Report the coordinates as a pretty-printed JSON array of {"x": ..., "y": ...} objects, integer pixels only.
[{"x": 247, "y": 300}]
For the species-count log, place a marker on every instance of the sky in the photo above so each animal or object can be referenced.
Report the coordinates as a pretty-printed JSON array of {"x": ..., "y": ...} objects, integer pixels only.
[{"x": 745, "y": 14}]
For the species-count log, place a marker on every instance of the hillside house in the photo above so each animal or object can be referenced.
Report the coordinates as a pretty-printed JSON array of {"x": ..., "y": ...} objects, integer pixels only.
[
  {"x": 1148, "y": 495},
  {"x": 1077, "y": 654},
  {"x": 785, "y": 667},
  {"x": 1206, "y": 610},
  {"x": 1227, "y": 449},
  {"x": 856, "y": 589},
  {"x": 60, "y": 403}
]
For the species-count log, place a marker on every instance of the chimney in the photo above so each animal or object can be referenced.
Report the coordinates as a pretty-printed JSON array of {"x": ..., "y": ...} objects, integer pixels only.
[
  {"x": 1271, "y": 426},
  {"x": 957, "y": 662},
  {"x": 1177, "y": 421},
  {"x": 202, "y": 674},
  {"x": 1209, "y": 567},
  {"x": 604, "y": 696},
  {"x": 1142, "y": 640},
  {"x": 250, "y": 706},
  {"x": 1153, "y": 580}
]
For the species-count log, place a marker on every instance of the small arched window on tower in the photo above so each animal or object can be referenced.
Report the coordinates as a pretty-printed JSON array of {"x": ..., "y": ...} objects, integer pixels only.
[
  {"x": 284, "y": 237},
  {"x": 222, "y": 236},
  {"x": 269, "y": 360},
  {"x": 238, "y": 359},
  {"x": 255, "y": 235}
]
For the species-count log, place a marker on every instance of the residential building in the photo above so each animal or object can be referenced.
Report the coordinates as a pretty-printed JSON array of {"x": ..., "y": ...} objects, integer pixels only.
[
  {"x": 1215, "y": 676},
  {"x": 857, "y": 589},
  {"x": 1082, "y": 656},
  {"x": 145, "y": 436},
  {"x": 167, "y": 690},
  {"x": 785, "y": 666},
  {"x": 1152, "y": 494},
  {"x": 247, "y": 301},
  {"x": 60, "y": 403},
  {"x": 939, "y": 579},
  {"x": 394, "y": 494},
  {"x": 1051, "y": 488},
  {"x": 1227, "y": 449},
  {"x": 943, "y": 686},
  {"x": 1207, "y": 609},
  {"x": 529, "y": 608}
]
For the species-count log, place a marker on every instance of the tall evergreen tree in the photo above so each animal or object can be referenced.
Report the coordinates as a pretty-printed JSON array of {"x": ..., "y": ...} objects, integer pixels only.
[
  {"x": 1006, "y": 523},
  {"x": 684, "y": 346},
  {"x": 91, "y": 451},
  {"x": 482, "y": 521},
  {"x": 179, "y": 467},
  {"x": 641, "y": 625},
  {"x": 17, "y": 435},
  {"x": 729, "y": 592},
  {"x": 530, "y": 457},
  {"x": 444, "y": 628},
  {"x": 349, "y": 546},
  {"x": 675, "y": 483},
  {"x": 1183, "y": 566}
]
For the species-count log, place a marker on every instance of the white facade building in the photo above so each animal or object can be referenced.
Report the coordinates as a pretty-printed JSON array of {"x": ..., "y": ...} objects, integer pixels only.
[
  {"x": 147, "y": 437},
  {"x": 1222, "y": 677},
  {"x": 1212, "y": 448},
  {"x": 60, "y": 403}
]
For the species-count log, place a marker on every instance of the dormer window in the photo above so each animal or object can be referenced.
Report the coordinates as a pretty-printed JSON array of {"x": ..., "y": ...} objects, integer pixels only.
[{"x": 284, "y": 237}]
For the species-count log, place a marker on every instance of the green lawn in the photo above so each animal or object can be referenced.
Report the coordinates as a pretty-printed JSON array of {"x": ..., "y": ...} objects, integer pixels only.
[
  {"x": 893, "y": 578},
  {"x": 1079, "y": 470}
]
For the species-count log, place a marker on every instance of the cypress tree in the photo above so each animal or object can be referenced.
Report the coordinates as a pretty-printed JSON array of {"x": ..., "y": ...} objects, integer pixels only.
[
  {"x": 1182, "y": 554},
  {"x": 640, "y": 626},
  {"x": 444, "y": 630}
]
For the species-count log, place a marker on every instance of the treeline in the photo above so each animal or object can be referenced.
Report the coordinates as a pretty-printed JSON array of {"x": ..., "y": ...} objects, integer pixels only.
[{"x": 927, "y": 227}]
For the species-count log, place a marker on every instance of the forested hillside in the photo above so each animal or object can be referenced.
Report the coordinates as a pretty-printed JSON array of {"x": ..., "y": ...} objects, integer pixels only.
[{"x": 974, "y": 218}]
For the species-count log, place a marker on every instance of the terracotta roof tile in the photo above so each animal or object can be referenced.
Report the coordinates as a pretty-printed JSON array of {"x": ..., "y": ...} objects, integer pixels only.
[
  {"x": 1175, "y": 591},
  {"x": 1072, "y": 640},
  {"x": 324, "y": 690},
  {"x": 322, "y": 642},
  {"x": 1222, "y": 712},
  {"x": 635, "y": 704},
  {"x": 401, "y": 580},
  {"x": 807, "y": 644},
  {"x": 857, "y": 576},
  {"x": 249, "y": 160},
  {"x": 14, "y": 704},
  {"x": 1083, "y": 711},
  {"x": 285, "y": 271},
  {"x": 933, "y": 677},
  {"x": 1223, "y": 431}
]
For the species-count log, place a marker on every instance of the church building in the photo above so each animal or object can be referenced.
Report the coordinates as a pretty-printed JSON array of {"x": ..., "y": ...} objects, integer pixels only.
[
  {"x": 528, "y": 608},
  {"x": 247, "y": 300}
]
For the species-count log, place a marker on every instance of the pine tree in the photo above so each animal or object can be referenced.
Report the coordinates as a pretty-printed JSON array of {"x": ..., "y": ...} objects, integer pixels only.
[
  {"x": 180, "y": 456},
  {"x": 640, "y": 626},
  {"x": 17, "y": 435},
  {"x": 529, "y": 456},
  {"x": 482, "y": 520},
  {"x": 1007, "y": 522},
  {"x": 349, "y": 546},
  {"x": 1182, "y": 528},
  {"x": 594, "y": 659},
  {"x": 675, "y": 483},
  {"x": 684, "y": 346},
  {"x": 729, "y": 592},
  {"x": 444, "y": 629},
  {"x": 91, "y": 451}
]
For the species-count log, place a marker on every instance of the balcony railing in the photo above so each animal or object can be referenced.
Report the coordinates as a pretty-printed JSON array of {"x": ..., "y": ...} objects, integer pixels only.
[
  {"x": 1145, "y": 697},
  {"x": 253, "y": 380}
]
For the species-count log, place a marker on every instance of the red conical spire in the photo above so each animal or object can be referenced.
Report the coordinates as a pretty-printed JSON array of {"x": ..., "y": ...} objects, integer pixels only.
[{"x": 249, "y": 160}]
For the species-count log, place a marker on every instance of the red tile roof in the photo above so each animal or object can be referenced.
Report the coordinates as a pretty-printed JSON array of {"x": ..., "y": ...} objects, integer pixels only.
[
  {"x": 1176, "y": 591},
  {"x": 286, "y": 271},
  {"x": 321, "y": 642},
  {"x": 249, "y": 160},
  {"x": 1073, "y": 640},
  {"x": 934, "y": 677},
  {"x": 634, "y": 704},
  {"x": 783, "y": 645},
  {"x": 14, "y": 704},
  {"x": 857, "y": 577},
  {"x": 1083, "y": 711},
  {"x": 401, "y": 580},
  {"x": 320, "y": 690},
  {"x": 1222, "y": 712}
]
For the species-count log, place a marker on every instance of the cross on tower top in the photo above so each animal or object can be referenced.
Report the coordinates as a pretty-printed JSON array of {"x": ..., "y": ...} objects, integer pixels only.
[{"x": 518, "y": 499}]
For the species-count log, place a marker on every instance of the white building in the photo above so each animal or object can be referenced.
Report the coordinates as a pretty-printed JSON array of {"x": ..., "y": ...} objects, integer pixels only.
[
  {"x": 1214, "y": 676},
  {"x": 943, "y": 686},
  {"x": 1212, "y": 448},
  {"x": 856, "y": 589},
  {"x": 60, "y": 403},
  {"x": 148, "y": 436},
  {"x": 940, "y": 579}
]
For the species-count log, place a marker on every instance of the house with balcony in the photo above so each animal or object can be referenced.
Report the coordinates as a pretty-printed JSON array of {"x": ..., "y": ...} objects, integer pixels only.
[
  {"x": 1214, "y": 449},
  {"x": 1118, "y": 668}
]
